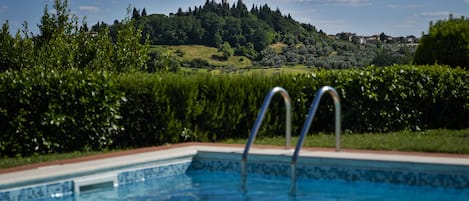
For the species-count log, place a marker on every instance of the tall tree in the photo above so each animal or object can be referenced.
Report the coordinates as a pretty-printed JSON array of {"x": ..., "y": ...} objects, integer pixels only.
[
  {"x": 63, "y": 16},
  {"x": 135, "y": 14},
  {"x": 213, "y": 25},
  {"x": 46, "y": 27},
  {"x": 447, "y": 42},
  {"x": 241, "y": 9},
  {"x": 6, "y": 42}
]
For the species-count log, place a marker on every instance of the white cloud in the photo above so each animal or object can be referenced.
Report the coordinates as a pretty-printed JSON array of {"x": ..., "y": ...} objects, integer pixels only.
[
  {"x": 351, "y": 2},
  {"x": 435, "y": 14},
  {"x": 467, "y": 1},
  {"x": 91, "y": 9}
]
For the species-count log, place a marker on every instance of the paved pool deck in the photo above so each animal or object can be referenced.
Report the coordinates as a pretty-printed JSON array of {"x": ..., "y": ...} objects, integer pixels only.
[{"x": 123, "y": 158}]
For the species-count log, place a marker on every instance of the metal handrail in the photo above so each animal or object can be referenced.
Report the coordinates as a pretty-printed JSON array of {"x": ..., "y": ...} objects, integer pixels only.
[
  {"x": 307, "y": 125},
  {"x": 257, "y": 124}
]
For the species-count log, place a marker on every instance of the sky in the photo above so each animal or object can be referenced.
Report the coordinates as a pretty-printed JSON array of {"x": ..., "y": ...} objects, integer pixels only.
[{"x": 363, "y": 17}]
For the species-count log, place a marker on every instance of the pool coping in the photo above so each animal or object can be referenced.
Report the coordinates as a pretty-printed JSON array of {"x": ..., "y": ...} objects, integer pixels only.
[{"x": 122, "y": 158}]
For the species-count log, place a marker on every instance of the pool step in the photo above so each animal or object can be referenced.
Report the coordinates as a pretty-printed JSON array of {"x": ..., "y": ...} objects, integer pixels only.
[{"x": 94, "y": 182}]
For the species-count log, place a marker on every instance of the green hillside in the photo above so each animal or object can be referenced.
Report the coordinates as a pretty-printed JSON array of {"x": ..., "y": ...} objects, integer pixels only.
[
  {"x": 187, "y": 54},
  {"x": 210, "y": 54},
  {"x": 266, "y": 36}
]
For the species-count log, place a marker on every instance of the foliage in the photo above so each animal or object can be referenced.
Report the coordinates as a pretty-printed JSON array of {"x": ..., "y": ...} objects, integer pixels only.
[
  {"x": 58, "y": 94},
  {"x": 201, "y": 58},
  {"x": 211, "y": 25},
  {"x": 66, "y": 110},
  {"x": 130, "y": 54},
  {"x": 203, "y": 107},
  {"x": 447, "y": 42},
  {"x": 62, "y": 44},
  {"x": 161, "y": 61},
  {"x": 251, "y": 32},
  {"x": 15, "y": 52},
  {"x": 390, "y": 57},
  {"x": 226, "y": 49},
  {"x": 50, "y": 111}
]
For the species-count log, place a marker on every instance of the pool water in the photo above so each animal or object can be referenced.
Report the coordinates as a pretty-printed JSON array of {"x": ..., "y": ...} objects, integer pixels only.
[
  {"x": 217, "y": 185},
  {"x": 216, "y": 176}
]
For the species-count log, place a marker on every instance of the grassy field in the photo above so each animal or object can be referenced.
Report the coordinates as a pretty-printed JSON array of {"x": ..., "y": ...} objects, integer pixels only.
[
  {"x": 210, "y": 54},
  {"x": 435, "y": 141},
  {"x": 277, "y": 47},
  {"x": 19, "y": 161},
  {"x": 298, "y": 69},
  {"x": 234, "y": 64}
]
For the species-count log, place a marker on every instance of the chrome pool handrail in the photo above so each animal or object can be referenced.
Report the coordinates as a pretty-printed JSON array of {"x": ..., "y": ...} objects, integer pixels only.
[
  {"x": 307, "y": 125},
  {"x": 260, "y": 117}
]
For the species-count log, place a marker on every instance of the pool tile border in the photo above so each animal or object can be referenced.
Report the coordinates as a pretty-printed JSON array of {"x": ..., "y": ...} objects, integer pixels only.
[{"x": 40, "y": 192}]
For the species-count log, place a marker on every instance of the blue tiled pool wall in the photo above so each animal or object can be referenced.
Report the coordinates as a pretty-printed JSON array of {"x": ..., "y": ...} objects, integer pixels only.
[
  {"x": 41, "y": 192},
  {"x": 57, "y": 189},
  {"x": 446, "y": 176},
  {"x": 315, "y": 168},
  {"x": 135, "y": 176}
]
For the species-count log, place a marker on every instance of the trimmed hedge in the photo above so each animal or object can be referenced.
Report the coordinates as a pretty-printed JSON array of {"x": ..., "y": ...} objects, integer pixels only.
[
  {"x": 171, "y": 108},
  {"x": 45, "y": 111},
  {"x": 205, "y": 107}
]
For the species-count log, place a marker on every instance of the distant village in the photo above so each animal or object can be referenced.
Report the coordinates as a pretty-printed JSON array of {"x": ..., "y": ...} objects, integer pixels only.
[{"x": 374, "y": 39}]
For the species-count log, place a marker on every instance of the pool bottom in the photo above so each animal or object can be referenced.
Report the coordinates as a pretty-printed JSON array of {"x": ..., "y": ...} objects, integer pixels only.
[{"x": 209, "y": 185}]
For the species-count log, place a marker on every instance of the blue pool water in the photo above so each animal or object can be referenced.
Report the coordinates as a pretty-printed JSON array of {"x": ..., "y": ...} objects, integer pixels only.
[
  {"x": 205, "y": 185},
  {"x": 215, "y": 176}
]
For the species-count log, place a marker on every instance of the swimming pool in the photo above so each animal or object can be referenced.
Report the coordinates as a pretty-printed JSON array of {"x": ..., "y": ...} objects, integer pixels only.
[{"x": 213, "y": 173}]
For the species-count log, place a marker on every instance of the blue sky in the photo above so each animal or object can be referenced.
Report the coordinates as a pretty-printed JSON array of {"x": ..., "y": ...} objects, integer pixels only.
[{"x": 364, "y": 17}]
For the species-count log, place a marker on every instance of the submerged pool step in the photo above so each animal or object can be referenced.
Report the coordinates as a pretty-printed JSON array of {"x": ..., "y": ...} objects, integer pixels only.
[{"x": 94, "y": 182}]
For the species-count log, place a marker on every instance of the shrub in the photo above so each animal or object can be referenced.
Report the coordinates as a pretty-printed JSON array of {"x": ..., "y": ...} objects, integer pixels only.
[
  {"x": 199, "y": 63},
  {"x": 57, "y": 111},
  {"x": 66, "y": 110},
  {"x": 225, "y": 106},
  {"x": 447, "y": 42}
]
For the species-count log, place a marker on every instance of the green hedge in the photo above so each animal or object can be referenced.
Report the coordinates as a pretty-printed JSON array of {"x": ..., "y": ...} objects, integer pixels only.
[
  {"x": 174, "y": 108},
  {"x": 45, "y": 111},
  {"x": 73, "y": 110}
]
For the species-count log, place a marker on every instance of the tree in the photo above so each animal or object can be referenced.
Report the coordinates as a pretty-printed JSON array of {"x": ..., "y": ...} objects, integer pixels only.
[
  {"x": 447, "y": 42},
  {"x": 46, "y": 27},
  {"x": 383, "y": 58},
  {"x": 144, "y": 12},
  {"x": 226, "y": 49},
  {"x": 232, "y": 31},
  {"x": 213, "y": 25},
  {"x": 241, "y": 10},
  {"x": 262, "y": 39},
  {"x": 84, "y": 27},
  {"x": 383, "y": 37},
  {"x": 6, "y": 42},
  {"x": 135, "y": 14}
]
